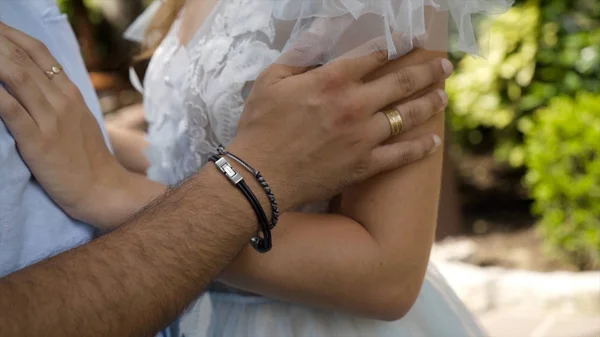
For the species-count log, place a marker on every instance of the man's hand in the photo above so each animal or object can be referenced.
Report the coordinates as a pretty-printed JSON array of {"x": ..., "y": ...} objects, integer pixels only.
[{"x": 328, "y": 122}]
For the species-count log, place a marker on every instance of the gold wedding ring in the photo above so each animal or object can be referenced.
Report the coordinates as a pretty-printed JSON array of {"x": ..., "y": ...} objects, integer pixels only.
[
  {"x": 55, "y": 70},
  {"x": 396, "y": 121}
]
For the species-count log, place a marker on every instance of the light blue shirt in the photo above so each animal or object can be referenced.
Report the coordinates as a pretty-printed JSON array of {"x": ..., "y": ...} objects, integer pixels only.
[{"x": 32, "y": 227}]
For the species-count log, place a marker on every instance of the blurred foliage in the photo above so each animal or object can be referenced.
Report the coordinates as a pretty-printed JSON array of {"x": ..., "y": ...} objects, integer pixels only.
[
  {"x": 562, "y": 157},
  {"x": 538, "y": 50},
  {"x": 99, "y": 25},
  {"x": 95, "y": 13},
  {"x": 535, "y": 101},
  {"x": 67, "y": 6}
]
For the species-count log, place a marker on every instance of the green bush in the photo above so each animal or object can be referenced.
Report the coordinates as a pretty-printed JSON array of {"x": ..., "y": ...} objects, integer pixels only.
[
  {"x": 563, "y": 161},
  {"x": 538, "y": 50},
  {"x": 506, "y": 103}
]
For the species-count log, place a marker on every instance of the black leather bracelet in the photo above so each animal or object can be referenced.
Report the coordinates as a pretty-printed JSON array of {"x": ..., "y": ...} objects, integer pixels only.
[
  {"x": 261, "y": 244},
  {"x": 261, "y": 180}
]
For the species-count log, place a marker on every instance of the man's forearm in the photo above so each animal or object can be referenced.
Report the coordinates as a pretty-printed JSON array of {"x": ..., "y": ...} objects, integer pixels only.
[{"x": 122, "y": 284}]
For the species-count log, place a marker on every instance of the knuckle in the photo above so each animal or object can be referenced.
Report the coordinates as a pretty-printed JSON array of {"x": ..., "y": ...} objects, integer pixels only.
[
  {"x": 409, "y": 155},
  {"x": 72, "y": 93},
  {"x": 19, "y": 78},
  {"x": 405, "y": 80},
  {"x": 363, "y": 170},
  {"x": 380, "y": 54},
  {"x": 46, "y": 141},
  {"x": 11, "y": 111},
  {"x": 39, "y": 47},
  {"x": 348, "y": 111},
  {"x": 62, "y": 107},
  {"x": 18, "y": 56},
  {"x": 342, "y": 120},
  {"x": 436, "y": 70},
  {"x": 351, "y": 106},
  {"x": 330, "y": 80},
  {"x": 412, "y": 115}
]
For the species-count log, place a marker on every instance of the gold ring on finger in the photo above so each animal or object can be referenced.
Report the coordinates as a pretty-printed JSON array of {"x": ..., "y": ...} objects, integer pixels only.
[
  {"x": 396, "y": 121},
  {"x": 55, "y": 70}
]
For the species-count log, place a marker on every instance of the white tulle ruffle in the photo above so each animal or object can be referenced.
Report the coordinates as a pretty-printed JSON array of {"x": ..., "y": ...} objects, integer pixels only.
[
  {"x": 336, "y": 27},
  {"x": 317, "y": 31}
]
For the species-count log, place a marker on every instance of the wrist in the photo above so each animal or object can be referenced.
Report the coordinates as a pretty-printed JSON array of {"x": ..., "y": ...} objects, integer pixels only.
[
  {"x": 254, "y": 185},
  {"x": 273, "y": 174},
  {"x": 227, "y": 201},
  {"x": 111, "y": 198}
]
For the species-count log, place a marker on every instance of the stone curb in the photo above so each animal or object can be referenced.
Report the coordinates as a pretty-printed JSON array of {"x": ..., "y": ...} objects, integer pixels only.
[{"x": 486, "y": 289}]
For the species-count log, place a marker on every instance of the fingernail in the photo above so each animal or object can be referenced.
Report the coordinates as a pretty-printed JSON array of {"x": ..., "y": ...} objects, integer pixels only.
[
  {"x": 448, "y": 67},
  {"x": 438, "y": 142},
  {"x": 443, "y": 96}
]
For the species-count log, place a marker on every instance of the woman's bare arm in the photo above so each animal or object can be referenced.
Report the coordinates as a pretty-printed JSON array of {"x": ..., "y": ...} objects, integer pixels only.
[
  {"x": 369, "y": 260},
  {"x": 129, "y": 145}
]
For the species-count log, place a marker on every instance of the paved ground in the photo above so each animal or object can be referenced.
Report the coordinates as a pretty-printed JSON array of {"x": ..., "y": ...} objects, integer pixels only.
[
  {"x": 521, "y": 303},
  {"x": 523, "y": 324}
]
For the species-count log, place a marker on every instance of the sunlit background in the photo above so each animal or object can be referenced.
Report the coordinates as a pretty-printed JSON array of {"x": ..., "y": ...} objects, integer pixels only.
[{"x": 520, "y": 208}]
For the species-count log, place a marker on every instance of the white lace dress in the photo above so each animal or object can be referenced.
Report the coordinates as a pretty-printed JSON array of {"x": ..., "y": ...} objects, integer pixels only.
[{"x": 193, "y": 99}]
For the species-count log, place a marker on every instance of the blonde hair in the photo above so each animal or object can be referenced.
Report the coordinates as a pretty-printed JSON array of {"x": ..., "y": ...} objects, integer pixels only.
[{"x": 159, "y": 27}]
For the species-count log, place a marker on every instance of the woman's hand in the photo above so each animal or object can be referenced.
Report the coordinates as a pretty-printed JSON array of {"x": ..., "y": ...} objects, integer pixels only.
[{"x": 56, "y": 134}]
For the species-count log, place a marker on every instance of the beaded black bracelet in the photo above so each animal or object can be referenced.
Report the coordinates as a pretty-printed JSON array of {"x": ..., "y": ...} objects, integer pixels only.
[
  {"x": 260, "y": 244},
  {"x": 261, "y": 180}
]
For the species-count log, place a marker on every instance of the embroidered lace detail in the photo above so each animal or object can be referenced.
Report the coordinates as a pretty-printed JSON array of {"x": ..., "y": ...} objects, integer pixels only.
[{"x": 194, "y": 95}]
